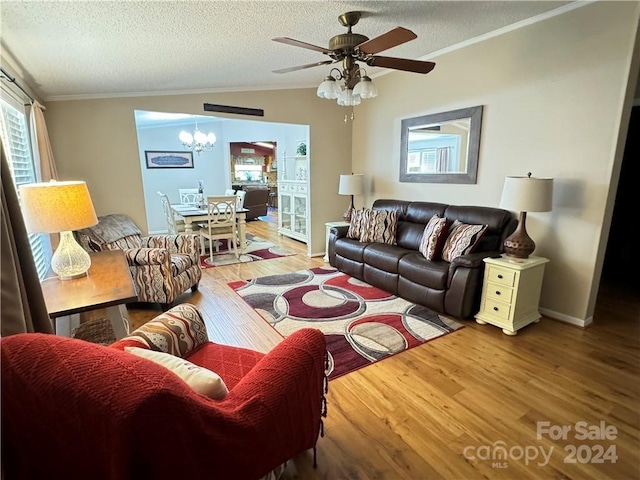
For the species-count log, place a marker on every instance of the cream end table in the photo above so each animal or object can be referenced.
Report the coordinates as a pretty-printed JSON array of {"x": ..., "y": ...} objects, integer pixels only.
[
  {"x": 328, "y": 226},
  {"x": 511, "y": 292}
]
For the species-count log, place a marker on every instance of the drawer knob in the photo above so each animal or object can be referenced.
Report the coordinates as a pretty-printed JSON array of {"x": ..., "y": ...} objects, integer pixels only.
[
  {"x": 498, "y": 292},
  {"x": 499, "y": 276},
  {"x": 495, "y": 308}
]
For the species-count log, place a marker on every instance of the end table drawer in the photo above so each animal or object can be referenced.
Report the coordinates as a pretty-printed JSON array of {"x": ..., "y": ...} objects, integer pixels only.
[
  {"x": 501, "y": 276},
  {"x": 499, "y": 292},
  {"x": 497, "y": 309}
]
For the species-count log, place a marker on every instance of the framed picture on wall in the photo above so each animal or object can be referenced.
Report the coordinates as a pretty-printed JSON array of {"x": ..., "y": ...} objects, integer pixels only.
[{"x": 164, "y": 159}]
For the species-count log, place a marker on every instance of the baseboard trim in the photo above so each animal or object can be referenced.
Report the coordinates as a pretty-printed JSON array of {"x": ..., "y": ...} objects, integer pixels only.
[
  {"x": 566, "y": 318},
  {"x": 318, "y": 254}
]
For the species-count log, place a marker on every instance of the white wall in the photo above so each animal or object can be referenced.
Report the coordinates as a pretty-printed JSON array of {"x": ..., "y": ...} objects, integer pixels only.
[
  {"x": 212, "y": 167},
  {"x": 554, "y": 96}
]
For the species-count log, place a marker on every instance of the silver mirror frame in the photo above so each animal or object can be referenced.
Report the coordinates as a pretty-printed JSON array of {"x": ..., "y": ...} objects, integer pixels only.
[{"x": 475, "y": 114}]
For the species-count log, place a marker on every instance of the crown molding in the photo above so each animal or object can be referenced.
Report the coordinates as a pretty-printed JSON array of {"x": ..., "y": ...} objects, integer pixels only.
[{"x": 98, "y": 96}]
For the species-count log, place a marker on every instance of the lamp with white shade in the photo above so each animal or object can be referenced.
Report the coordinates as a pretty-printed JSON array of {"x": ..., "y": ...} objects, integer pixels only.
[
  {"x": 60, "y": 207},
  {"x": 525, "y": 194},
  {"x": 350, "y": 185}
]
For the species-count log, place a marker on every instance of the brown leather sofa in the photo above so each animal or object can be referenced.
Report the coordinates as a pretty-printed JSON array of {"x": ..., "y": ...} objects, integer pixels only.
[
  {"x": 449, "y": 288},
  {"x": 256, "y": 200}
]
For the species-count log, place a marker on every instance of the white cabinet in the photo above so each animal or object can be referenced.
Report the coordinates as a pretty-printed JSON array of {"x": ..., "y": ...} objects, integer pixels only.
[
  {"x": 511, "y": 292},
  {"x": 293, "y": 209}
]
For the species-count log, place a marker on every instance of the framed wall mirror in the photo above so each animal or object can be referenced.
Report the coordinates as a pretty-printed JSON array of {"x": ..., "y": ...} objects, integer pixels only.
[{"x": 441, "y": 148}]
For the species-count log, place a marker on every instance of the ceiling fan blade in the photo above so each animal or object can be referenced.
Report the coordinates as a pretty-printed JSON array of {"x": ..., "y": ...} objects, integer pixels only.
[
  {"x": 392, "y": 38},
  {"x": 298, "y": 43},
  {"x": 416, "y": 66},
  {"x": 302, "y": 67}
]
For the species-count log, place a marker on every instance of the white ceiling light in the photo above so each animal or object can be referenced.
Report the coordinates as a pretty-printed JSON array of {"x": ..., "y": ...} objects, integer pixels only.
[
  {"x": 198, "y": 141},
  {"x": 357, "y": 85}
]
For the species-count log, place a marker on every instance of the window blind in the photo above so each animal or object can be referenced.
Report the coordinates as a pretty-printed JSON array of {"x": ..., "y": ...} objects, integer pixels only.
[{"x": 15, "y": 137}]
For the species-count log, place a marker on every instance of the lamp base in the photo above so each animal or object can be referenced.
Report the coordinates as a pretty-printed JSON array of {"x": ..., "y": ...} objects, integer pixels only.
[
  {"x": 347, "y": 215},
  {"x": 519, "y": 244},
  {"x": 70, "y": 260}
]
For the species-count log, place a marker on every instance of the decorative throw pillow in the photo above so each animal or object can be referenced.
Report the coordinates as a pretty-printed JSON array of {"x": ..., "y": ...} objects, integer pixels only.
[
  {"x": 198, "y": 378},
  {"x": 432, "y": 236},
  {"x": 461, "y": 240},
  {"x": 379, "y": 226},
  {"x": 355, "y": 225}
]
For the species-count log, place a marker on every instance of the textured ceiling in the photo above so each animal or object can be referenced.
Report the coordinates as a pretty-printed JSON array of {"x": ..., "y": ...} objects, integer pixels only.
[{"x": 101, "y": 48}]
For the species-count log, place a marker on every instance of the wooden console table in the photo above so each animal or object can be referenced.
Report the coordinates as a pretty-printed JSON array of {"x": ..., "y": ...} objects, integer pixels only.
[{"x": 107, "y": 285}]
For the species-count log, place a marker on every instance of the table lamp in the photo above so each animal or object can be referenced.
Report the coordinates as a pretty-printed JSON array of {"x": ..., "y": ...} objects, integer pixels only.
[
  {"x": 525, "y": 194},
  {"x": 60, "y": 207},
  {"x": 350, "y": 185}
]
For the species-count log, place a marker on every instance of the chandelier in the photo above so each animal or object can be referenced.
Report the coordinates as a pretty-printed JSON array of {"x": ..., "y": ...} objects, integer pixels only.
[
  {"x": 198, "y": 141},
  {"x": 357, "y": 85}
]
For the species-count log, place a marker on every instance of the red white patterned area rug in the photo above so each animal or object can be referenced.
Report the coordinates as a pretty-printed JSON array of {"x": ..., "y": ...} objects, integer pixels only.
[
  {"x": 257, "y": 249},
  {"x": 362, "y": 324}
]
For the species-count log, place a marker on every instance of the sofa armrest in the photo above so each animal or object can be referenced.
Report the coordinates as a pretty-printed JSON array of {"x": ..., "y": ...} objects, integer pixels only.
[
  {"x": 334, "y": 234},
  {"x": 178, "y": 331},
  {"x": 339, "y": 232},
  {"x": 471, "y": 260},
  {"x": 181, "y": 243},
  {"x": 284, "y": 395}
]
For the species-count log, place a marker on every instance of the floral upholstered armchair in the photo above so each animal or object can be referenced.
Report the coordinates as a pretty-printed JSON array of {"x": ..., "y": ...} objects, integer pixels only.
[
  {"x": 111, "y": 412},
  {"x": 162, "y": 266}
]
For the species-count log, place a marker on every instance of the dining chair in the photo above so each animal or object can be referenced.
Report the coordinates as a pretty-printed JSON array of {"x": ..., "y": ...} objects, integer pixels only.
[
  {"x": 173, "y": 226},
  {"x": 221, "y": 224},
  {"x": 190, "y": 196}
]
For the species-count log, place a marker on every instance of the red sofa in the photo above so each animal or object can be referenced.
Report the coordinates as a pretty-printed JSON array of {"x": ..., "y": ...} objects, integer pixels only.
[{"x": 76, "y": 410}]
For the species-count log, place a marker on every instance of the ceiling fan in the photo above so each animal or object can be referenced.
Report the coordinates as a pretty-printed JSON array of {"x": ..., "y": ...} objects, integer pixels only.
[{"x": 350, "y": 48}]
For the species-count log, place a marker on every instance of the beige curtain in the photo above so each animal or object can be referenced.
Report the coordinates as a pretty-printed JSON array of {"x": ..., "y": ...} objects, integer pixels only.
[
  {"x": 22, "y": 306},
  {"x": 41, "y": 147}
]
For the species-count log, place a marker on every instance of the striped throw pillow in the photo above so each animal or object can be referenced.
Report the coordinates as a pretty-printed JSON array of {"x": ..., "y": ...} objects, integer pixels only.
[
  {"x": 379, "y": 226},
  {"x": 432, "y": 237},
  {"x": 461, "y": 240},
  {"x": 355, "y": 225}
]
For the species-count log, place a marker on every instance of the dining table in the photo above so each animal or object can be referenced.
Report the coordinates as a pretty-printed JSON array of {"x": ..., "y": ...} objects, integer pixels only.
[{"x": 192, "y": 214}]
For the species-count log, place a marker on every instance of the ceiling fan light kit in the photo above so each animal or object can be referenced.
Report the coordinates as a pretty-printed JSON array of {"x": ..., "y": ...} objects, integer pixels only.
[{"x": 350, "y": 48}]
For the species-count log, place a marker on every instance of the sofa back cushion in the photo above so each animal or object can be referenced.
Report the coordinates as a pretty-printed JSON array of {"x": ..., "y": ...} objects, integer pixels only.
[
  {"x": 412, "y": 219},
  {"x": 414, "y": 216}
]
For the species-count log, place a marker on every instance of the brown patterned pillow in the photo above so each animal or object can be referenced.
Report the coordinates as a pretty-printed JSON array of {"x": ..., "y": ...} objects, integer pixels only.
[
  {"x": 355, "y": 225},
  {"x": 461, "y": 240},
  {"x": 379, "y": 226},
  {"x": 432, "y": 237}
]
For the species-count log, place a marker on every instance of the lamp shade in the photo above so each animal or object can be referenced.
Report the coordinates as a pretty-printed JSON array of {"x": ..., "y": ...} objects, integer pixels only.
[
  {"x": 351, "y": 184},
  {"x": 57, "y": 206},
  {"x": 527, "y": 194}
]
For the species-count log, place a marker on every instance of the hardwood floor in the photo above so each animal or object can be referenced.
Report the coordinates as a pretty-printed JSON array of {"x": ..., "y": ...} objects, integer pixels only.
[{"x": 415, "y": 415}]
